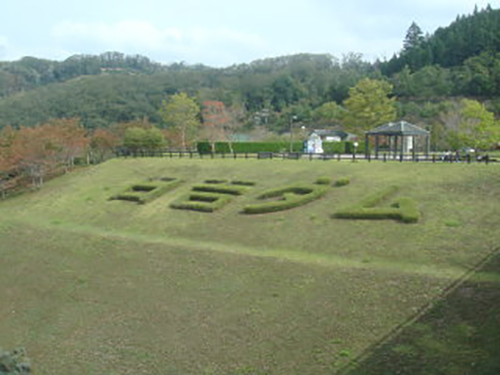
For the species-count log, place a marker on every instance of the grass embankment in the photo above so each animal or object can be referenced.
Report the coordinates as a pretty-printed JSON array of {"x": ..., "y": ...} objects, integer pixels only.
[{"x": 96, "y": 286}]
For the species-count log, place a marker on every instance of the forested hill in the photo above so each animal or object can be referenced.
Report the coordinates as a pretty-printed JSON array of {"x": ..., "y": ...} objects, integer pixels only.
[
  {"x": 31, "y": 72},
  {"x": 460, "y": 60},
  {"x": 279, "y": 85},
  {"x": 451, "y": 46}
]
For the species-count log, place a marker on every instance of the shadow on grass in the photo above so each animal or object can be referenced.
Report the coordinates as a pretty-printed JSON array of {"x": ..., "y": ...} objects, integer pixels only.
[{"x": 459, "y": 334}]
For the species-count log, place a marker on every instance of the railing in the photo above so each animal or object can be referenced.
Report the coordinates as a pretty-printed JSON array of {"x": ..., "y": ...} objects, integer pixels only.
[{"x": 385, "y": 157}]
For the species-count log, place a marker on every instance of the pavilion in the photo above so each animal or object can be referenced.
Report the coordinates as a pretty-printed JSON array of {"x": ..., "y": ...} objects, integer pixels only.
[{"x": 401, "y": 137}]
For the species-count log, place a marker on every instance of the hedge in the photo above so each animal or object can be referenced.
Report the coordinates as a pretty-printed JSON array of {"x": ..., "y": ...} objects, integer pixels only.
[
  {"x": 221, "y": 189},
  {"x": 292, "y": 196},
  {"x": 249, "y": 147},
  {"x": 145, "y": 192},
  {"x": 324, "y": 180},
  {"x": 402, "y": 209},
  {"x": 203, "y": 202},
  {"x": 342, "y": 182},
  {"x": 343, "y": 147}
]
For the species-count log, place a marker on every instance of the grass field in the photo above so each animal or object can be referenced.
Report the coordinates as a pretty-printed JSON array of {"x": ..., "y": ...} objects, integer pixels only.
[{"x": 91, "y": 285}]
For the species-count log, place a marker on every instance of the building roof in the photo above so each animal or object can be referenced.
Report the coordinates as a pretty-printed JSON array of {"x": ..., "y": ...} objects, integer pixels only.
[
  {"x": 333, "y": 133},
  {"x": 398, "y": 128}
]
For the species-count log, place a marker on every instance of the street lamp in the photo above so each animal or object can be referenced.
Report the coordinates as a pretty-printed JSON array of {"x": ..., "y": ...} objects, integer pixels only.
[{"x": 293, "y": 117}]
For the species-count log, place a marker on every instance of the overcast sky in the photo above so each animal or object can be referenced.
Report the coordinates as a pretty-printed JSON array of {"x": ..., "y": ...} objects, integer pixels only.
[{"x": 217, "y": 32}]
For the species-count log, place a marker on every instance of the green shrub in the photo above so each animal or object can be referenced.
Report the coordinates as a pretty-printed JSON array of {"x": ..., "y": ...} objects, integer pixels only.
[
  {"x": 221, "y": 188},
  {"x": 203, "y": 202},
  {"x": 14, "y": 363},
  {"x": 324, "y": 180},
  {"x": 144, "y": 187},
  {"x": 215, "y": 181},
  {"x": 342, "y": 182},
  {"x": 349, "y": 147},
  {"x": 145, "y": 192},
  {"x": 243, "y": 183},
  {"x": 334, "y": 147},
  {"x": 409, "y": 210},
  {"x": 249, "y": 147},
  {"x": 375, "y": 199},
  {"x": 291, "y": 196},
  {"x": 128, "y": 196},
  {"x": 402, "y": 209}
]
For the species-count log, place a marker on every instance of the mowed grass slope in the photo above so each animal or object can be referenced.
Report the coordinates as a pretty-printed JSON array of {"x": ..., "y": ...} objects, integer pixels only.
[{"x": 92, "y": 285}]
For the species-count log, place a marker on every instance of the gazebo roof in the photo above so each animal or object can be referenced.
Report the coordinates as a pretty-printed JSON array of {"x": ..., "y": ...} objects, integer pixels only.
[{"x": 398, "y": 128}]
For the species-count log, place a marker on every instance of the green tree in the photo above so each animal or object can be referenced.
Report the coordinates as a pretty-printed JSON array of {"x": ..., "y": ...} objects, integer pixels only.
[
  {"x": 135, "y": 139},
  {"x": 329, "y": 113},
  {"x": 369, "y": 105},
  {"x": 414, "y": 37},
  {"x": 182, "y": 113},
  {"x": 154, "y": 139},
  {"x": 478, "y": 128}
]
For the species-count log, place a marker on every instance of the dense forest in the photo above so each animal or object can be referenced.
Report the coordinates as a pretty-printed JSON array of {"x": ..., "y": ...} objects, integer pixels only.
[{"x": 428, "y": 77}]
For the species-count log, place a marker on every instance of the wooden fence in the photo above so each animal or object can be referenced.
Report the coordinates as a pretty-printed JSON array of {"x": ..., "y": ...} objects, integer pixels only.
[{"x": 386, "y": 157}]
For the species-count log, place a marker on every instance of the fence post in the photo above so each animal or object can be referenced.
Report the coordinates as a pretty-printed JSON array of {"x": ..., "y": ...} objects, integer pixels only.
[
  {"x": 433, "y": 158},
  {"x": 338, "y": 156},
  {"x": 246, "y": 155},
  {"x": 487, "y": 159},
  {"x": 385, "y": 157},
  {"x": 234, "y": 153}
]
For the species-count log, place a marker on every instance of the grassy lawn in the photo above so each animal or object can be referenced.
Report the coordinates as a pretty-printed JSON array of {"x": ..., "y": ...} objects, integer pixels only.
[{"x": 98, "y": 286}]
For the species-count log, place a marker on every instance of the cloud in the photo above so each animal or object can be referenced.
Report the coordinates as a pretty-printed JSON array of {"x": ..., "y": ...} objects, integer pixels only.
[
  {"x": 4, "y": 43},
  {"x": 133, "y": 36}
]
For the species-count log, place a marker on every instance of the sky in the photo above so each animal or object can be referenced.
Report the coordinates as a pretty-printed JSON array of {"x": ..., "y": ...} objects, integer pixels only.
[{"x": 218, "y": 33}]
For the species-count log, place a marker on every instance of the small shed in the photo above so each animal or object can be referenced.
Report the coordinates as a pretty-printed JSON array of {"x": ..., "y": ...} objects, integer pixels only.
[
  {"x": 399, "y": 137},
  {"x": 314, "y": 144},
  {"x": 334, "y": 135}
]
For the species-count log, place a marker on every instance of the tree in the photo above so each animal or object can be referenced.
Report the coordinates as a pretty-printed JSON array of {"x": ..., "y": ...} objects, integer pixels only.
[
  {"x": 478, "y": 128},
  {"x": 414, "y": 37},
  {"x": 71, "y": 137},
  {"x": 369, "y": 105},
  {"x": 182, "y": 113},
  {"x": 102, "y": 143},
  {"x": 135, "y": 139},
  {"x": 215, "y": 119},
  {"x": 154, "y": 139},
  {"x": 35, "y": 152},
  {"x": 329, "y": 113}
]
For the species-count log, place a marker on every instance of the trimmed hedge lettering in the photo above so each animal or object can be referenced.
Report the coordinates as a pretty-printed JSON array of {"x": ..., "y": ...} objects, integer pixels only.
[{"x": 402, "y": 209}]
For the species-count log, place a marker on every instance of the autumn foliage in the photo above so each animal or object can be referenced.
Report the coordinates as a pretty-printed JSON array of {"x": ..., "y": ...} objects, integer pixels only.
[{"x": 33, "y": 153}]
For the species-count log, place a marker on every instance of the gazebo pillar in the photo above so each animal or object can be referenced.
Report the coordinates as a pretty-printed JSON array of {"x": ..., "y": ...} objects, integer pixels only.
[
  {"x": 402, "y": 146},
  {"x": 413, "y": 147},
  {"x": 427, "y": 145},
  {"x": 395, "y": 147},
  {"x": 367, "y": 145},
  {"x": 376, "y": 146}
]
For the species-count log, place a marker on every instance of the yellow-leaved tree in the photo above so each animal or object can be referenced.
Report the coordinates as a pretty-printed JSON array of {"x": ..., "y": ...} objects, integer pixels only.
[{"x": 369, "y": 105}]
